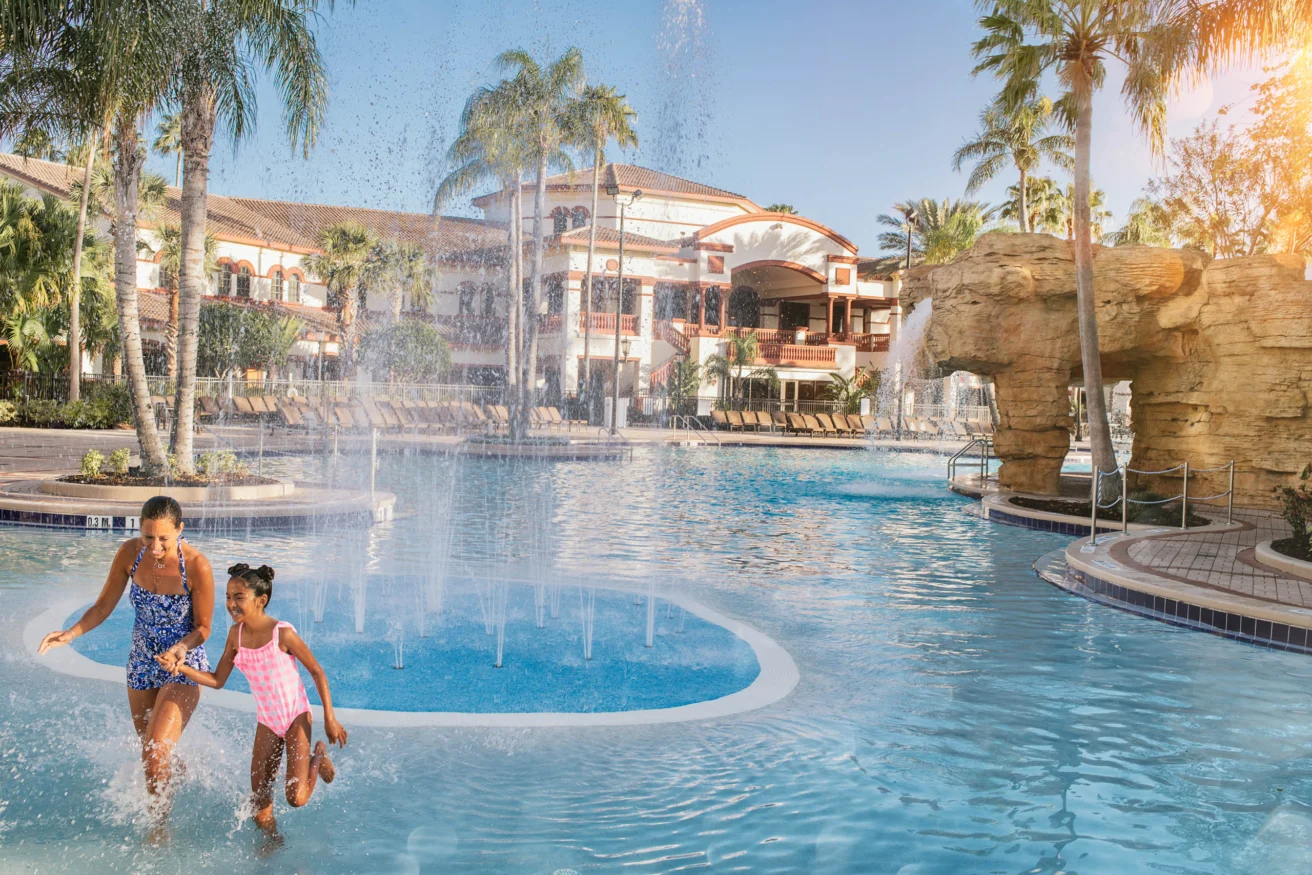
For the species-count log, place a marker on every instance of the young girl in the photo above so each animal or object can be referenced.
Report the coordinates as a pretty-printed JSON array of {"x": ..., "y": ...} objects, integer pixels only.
[{"x": 266, "y": 651}]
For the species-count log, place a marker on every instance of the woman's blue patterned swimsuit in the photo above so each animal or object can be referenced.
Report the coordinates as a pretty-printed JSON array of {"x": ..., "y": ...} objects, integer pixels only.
[{"x": 162, "y": 621}]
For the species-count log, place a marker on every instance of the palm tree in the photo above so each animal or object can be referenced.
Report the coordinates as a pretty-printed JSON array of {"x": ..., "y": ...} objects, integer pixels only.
[
  {"x": 848, "y": 391},
  {"x": 1018, "y": 135},
  {"x": 491, "y": 147},
  {"x": 397, "y": 270},
  {"x": 595, "y": 118},
  {"x": 1148, "y": 224},
  {"x": 544, "y": 94},
  {"x": 1059, "y": 215},
  {"x": 168, "y": 141},
  {"x": 939, "y": 230},
  {"x": 740, "y": 352},
  {"x": 341, "y": 264},
  {"x": 1023, "y": 39},
  {"x": 1042, "y": 194},
  {"x": 170, "y": 264},
  {"x": 225, "y": 39}
]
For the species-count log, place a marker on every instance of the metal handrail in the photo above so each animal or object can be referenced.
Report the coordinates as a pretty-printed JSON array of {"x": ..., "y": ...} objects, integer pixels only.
[
  {"x": 692, "y": 423},
  {"x": 1125, "y": 501},
  {"x": 985, "y": 450}
]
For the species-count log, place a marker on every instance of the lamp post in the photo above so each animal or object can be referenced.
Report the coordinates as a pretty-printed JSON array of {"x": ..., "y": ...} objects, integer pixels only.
[{"x": 622, "y": 201}]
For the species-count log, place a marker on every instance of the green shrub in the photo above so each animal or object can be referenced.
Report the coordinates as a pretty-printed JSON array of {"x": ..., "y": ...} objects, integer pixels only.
[
  {"x": 217, "y": 464},
  {"x": 8, "y": 412},
  {"x": 92, "y": 460},
  {"x": 118, "y": 461},
  {"x": 1296, "y": 505},
  {"x": 113, "y": 398},
  {"x": 40, "y": 413}
]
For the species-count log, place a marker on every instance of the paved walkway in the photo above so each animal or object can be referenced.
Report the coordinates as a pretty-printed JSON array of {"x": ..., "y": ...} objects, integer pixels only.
[
  {"x": 1221, "y": 560},
  {"x": 35, "y": 450}
]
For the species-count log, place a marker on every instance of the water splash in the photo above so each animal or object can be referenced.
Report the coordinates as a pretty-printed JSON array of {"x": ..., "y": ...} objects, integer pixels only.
[{"x": 683, "y": 122}]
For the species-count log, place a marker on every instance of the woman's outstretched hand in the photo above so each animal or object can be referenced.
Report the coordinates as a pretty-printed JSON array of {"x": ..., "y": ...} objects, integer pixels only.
[
  {"x": 53, "y": 640},
  {"x": 336, "y": 734}
]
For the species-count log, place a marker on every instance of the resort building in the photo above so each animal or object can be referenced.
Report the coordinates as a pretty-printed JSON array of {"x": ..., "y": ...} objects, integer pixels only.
[{"x": 699, "y": 264}]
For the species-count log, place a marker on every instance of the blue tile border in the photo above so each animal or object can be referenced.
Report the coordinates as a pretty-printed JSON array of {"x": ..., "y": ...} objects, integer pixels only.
[
  {"x": 1250, "y": 630},
  {"x": 1075, "y": 530},
  {"x": 83, "y": 522}
]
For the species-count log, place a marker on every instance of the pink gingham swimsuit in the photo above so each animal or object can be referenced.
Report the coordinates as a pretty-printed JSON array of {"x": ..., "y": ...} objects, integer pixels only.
[{"x": 275, "y": 683}]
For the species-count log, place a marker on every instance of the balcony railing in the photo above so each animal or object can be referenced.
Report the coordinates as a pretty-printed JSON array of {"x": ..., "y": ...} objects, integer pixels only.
[
  {"x": 472, "y": 330},
  {"x": 604, "y": 323},
  {"x": 862, "y": 342},
  {"x": 800, "y": 356}
]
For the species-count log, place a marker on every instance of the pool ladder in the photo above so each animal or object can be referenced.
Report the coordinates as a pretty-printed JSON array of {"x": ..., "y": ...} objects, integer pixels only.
[{"x": 985, "y": 447}]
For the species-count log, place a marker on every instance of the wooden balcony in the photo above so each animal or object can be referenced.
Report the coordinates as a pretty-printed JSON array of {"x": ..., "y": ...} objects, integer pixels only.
[
  {"x": 604, "y": 323},
  {"x": 792, "y": 355}
]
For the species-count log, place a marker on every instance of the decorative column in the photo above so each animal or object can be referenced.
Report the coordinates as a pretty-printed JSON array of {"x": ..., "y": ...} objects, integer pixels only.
[
  {"x": 724, "y": 310},
  {"x": 829, "y": 321}
]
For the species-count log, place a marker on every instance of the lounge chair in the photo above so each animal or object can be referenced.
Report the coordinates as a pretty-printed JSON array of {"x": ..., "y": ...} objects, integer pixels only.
[
  {"x": 242, "y": 405},
  {"x": 841, "y": 425},
  {"x": 779, "y": 420},
  {"x": 815, "y": 425},
  {"x": 735, "y": 419},
  {"x": 826, "y": 424},
  {"x": 291, "y": 416},
  {"x": 343, "y": 417},
  {"x": 719, "y": 420},
  {"x": 797, "y": 424},
  {"x": 763, "y": 421},
  {"x": 207, "y": 407}
]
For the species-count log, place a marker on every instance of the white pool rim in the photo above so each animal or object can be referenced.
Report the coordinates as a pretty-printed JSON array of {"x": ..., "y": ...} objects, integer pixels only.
[{"x": 777, "y": 678}]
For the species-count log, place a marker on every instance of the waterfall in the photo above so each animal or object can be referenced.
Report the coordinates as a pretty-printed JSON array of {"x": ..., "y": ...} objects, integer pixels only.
[{"x": 900, "y": 366}]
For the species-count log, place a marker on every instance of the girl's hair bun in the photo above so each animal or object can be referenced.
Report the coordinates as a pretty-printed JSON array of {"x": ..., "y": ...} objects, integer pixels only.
[{"x": 260, "y": 580}]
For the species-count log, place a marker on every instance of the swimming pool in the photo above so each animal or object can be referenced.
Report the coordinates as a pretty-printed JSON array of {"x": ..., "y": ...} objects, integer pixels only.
[{"x": 953, "y": 714}]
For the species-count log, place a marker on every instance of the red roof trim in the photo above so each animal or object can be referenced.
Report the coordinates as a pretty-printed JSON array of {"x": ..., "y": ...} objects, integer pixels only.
[{"x": 786, "y": 218}]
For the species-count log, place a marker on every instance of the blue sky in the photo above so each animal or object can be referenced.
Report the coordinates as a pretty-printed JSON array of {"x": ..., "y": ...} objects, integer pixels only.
[{"x": 839, "y": 107}]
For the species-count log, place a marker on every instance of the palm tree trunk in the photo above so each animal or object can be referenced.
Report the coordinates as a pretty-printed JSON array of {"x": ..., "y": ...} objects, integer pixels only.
[
  {"x": 512, "y": 305},
  {"x": 1024, "y": 204},
  {"x": 350, "y": 303},
  {"x": 127, "y": 178},
  {"x": 535, "y": 292},
  {"x": 171, "y": 334},
  {"x": 198, "y": 118},
  {"x": 1100, "y": 433},
  {"x": 592, "y": 248},
  {"x": 75, "y": 294}
]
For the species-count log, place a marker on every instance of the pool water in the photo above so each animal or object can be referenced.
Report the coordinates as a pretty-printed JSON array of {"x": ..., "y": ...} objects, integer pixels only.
[
  {"x": 954, "y": 713},
  {"x": 449, "y": 662}
]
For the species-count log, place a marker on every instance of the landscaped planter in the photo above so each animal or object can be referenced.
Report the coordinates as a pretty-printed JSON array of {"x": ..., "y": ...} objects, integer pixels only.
[
  {"x": 1268, "y": 555},
  {"x": 183, "y": 494}
]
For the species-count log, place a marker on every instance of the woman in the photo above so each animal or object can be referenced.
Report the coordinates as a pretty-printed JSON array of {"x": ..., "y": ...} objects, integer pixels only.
[{"x": 172, "y": 592}]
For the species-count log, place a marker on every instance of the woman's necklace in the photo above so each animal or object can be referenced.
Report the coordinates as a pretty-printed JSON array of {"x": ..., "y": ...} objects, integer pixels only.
[{"x": 159, "y": 565}]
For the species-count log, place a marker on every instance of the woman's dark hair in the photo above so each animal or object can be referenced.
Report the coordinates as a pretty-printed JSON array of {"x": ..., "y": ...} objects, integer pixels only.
[
  {"x": 260, "y": 580},
  {"x": 161, "y": 507}
]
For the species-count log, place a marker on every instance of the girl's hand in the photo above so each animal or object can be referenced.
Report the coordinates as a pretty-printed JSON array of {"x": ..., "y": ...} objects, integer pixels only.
[
  {"x": 173, "y": 657},
  {"x": 168, "y": 664},
  {"x": 336, "y": 734},
  {"x": 54, "y": 639}
]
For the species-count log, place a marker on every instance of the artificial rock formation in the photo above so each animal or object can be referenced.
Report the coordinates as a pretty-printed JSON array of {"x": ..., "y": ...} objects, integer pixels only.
[{"x": 1219, "y": 354}]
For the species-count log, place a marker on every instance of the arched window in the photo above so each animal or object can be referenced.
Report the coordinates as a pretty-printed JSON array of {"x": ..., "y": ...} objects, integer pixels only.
[
  {"x": 560, "y": 220},
  {"x": 467, "y": 293},
  {"x": 293, "y": 289},
  {"x": 744, "y": 309},
  {"x": 579, "y": 217},
  {"x": 225, "y": 279},
  {"x": 489, "y": 300},
  {"x": 275, "y": 284},
  {"x": 244, "y": 282}
]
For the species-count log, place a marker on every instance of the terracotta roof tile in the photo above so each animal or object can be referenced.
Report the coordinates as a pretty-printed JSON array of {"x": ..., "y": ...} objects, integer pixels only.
[
  {"x": 281, "y": 222},
  {"x": 631, "y": 176},
  {"x": 611, "y": 236}
]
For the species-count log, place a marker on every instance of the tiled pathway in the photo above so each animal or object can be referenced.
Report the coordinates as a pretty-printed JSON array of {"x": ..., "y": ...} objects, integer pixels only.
[{"x": 1221, "y": 560}]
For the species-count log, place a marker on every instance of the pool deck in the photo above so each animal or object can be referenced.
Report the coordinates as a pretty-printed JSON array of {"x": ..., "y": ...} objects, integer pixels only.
[
  {"x": 1210, "y": 578},
  {"x": 35, "y": 450}
]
